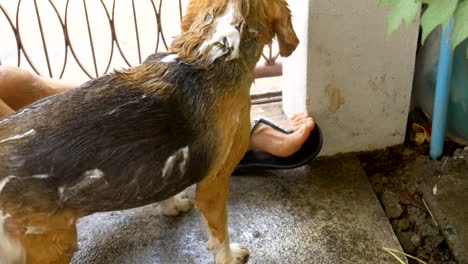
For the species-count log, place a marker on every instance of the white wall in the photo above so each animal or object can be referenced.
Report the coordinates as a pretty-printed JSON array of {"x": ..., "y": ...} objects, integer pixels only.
[{"x": 348, "y": 75}]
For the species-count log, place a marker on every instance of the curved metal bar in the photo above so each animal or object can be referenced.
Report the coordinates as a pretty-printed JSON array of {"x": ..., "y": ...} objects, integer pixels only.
[
  {"x": 90, "y": 38},
  {"x": 136, "y": 31},
  {"x": 21, "y": 43},
  {"x": 44, "y": 44},
  {"x": 114, "y": 36},
  {"x": 158, "y": 22},
  {"x": 12, "y": 25},
  {"x": 268, "y": 56},
  {"x": 70, "y": 43},
  {"x": 160, "y": 29},
  {"x": 65, "y": 59},
  {"x": 112, "y": 40}
]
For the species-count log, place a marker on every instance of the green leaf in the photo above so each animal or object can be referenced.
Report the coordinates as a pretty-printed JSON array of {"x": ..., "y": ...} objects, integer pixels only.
[
  {"x": 404, "y": 10},
  {"x": 386, "y": 2},
  {"x": 438, "y": 12},
  {"x": 460, "y": 26}
]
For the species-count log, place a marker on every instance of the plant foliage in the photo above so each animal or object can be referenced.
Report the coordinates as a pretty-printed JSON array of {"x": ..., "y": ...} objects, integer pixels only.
[{"x": 438, "y": 12}]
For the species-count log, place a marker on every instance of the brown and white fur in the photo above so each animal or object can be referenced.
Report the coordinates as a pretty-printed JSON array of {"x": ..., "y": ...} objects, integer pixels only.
[{"x": 139, "y": 136}]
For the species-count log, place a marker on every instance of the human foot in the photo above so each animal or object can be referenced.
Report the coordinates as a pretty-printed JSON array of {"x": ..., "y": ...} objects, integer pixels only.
[
  {"x": 296, "y": 121},
  {"x": 270, "y": 140}
]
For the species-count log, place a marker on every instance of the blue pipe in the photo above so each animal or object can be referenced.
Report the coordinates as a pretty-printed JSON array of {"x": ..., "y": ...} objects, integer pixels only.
[{"x": 444, "y": 73}]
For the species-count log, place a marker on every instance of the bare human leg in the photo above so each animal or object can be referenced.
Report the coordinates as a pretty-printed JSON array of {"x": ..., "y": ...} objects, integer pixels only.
[{"x": 19, "y": 88}]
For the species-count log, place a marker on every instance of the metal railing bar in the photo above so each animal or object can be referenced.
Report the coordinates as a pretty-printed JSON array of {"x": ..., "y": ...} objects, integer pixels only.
[
  {"x": 71, "y": 45},
  {"x": 12, "y": 25},
  {"x": 135, "y": 20},
  {"x": 112, "y": 36},
  {"x": 65, "y": 59},
  {"x": 91, "y": 42},
  {"x": 270, "y": 69},
  {"x": 44, "y": 45},
  {"x": 21, "y": 43}
]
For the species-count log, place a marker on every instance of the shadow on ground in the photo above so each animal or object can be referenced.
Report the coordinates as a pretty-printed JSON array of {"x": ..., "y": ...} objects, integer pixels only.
[{"x": 325, "y": 212}]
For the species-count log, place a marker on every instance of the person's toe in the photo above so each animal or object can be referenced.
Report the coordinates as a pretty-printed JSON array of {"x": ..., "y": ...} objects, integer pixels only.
[
  {"x": 298, "y": 117},
  {"x": 302, "y": 133},
  {"x": 310, "y": 123},
  {"x": 298, "y": 123},
  {"x": 293, "y": 142}
]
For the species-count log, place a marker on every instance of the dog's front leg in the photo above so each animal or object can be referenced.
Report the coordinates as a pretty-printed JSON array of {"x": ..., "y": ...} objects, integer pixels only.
[{"x": 210, "y": 199}]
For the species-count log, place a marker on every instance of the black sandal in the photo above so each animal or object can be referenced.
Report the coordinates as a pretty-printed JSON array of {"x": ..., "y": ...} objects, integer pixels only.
[{"x": 257, "y": 160}]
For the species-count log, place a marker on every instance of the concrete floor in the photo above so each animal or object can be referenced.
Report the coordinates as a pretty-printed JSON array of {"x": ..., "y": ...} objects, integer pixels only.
[{"x": 323, "y": 213}]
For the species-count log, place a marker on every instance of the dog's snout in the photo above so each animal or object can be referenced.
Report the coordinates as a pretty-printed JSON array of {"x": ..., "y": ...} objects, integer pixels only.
[
  {"x": 239, "y": 26},
  {"x": 231, "y": 42},
  {"x": 226, "y": 36}
]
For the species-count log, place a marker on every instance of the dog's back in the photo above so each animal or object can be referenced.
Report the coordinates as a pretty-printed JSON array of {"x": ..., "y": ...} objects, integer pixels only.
[{"x": 130, "y": 142}]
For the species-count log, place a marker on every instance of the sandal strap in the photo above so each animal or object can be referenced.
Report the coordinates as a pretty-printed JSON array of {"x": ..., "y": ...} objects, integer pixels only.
[{"x": 270, "y": 123}]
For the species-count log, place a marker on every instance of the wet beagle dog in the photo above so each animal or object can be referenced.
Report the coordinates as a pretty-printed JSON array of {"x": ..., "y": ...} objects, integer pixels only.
[{"x": 140, "y": 136}]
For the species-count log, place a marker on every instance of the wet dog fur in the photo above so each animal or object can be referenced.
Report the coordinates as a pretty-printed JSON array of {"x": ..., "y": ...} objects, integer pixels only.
[{"x": 139, "y": 136}]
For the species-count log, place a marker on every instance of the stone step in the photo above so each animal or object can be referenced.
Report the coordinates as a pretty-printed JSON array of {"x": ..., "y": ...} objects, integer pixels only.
[{"x": 326, "y": 212}]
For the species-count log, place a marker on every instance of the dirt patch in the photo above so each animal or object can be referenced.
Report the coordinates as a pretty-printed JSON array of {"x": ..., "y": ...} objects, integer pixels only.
[{"x": 398, "y": 175}]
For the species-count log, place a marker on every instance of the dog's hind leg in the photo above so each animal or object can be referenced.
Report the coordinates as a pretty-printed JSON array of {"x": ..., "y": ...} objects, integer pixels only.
[
  {"x": 45, "y": 238},
  {"x": 11, "y": 250},
  {"x": 210, "y": 199}
]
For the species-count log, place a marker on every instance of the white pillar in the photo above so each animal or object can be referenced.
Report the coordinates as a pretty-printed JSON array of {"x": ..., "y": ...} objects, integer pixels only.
[{"x": 354, "y": 80}]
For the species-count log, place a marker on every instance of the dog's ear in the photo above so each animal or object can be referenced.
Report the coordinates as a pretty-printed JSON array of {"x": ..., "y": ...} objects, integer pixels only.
[
  {"x": 282, "y": 26},
  {"x": 194, "y": 12},
  {"x": 190, "y": 16}
]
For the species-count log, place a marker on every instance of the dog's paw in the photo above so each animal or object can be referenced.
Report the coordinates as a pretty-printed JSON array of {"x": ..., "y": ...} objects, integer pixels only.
[
  {"x": 238, "y": 255},
  {"x": 175, "y": 205},
  {"x": 212, "y": 244}
]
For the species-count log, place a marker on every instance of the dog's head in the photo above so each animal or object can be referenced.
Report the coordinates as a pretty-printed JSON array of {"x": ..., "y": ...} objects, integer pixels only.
[{"x": 217, "y": 28}]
